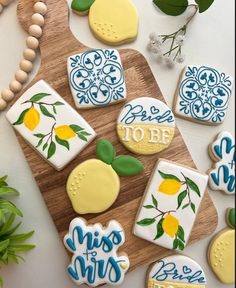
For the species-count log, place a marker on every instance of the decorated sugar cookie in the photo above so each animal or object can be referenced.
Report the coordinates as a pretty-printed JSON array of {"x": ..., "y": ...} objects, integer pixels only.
[
  {"x": 170, "y": 205},
  {"x": 222, "y": 152},
  {"x": 176, "y": 271},
  {"x": 114, "y": 22},
  {"x": 94, "y": 185},
  {"x": 50, "y": 125},
  {"x": 221, "y": 252},
  {"x": 81, "y": 7},
  {"x": 146, "y": 126},
  {"x": 96, "y": 78},
  {"x": 95, "y": 258},
  {"x": 203, "y": 95}
]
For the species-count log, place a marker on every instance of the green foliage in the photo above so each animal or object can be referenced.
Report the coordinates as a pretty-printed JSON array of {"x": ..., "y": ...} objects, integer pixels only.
[
  {"x": 11, "y": 243},
  {"x": 178, "y": 7}
]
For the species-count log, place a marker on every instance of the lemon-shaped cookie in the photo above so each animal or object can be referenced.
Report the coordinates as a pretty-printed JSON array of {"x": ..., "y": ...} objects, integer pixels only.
[
  {"x": 114, "y": 21},
  {"x": 221, "y": 253},
  {"x": 94, "y": 185}
]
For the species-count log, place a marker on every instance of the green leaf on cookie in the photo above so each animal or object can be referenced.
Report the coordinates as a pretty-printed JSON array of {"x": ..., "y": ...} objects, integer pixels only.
[
  {"x": 38, "y": 97},
  {"x": 51, "y": 150},
  {"x": 127, "y": 165},
  {"x": 63, "y": 143},
  {"x": 181, "y": 197},
  {"x": 168, "y": 176},
  {"x": 204, "y": 4},
  {"x": 146, "y": 222},
  {"x": 193, "y": 186},
  {"x": 81, "y": 5},
  {"x": 231, "y": 217},
  {"x": 45, "y": 112},
  {"x": 172, "y": 7},
  {"x": 20, "y": 120},
  {"x": 160, "y": 230},
  {"x": 105, "y": 151}
]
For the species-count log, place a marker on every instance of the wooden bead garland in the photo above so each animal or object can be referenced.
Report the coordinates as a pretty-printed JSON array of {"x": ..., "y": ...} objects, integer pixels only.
[{"x": 29, "y": 54}]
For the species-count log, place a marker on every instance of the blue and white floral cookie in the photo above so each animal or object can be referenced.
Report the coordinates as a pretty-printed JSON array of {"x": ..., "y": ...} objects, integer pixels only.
[
  {"x": 95, "y": 259},
  {"x": 96, "y": 78},
  {"x": 222, "y": 152},
  {"x": 203, "y": 95},
  {"x": 176, "y": 271}
]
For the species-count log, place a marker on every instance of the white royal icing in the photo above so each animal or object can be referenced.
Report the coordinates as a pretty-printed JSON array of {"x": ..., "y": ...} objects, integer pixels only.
[
  {"x": 167, "y": 219},
  {"x": 49, "y": 117},
  {"x": 203, "y": 94},
  {"x": 95, "y": 260},
  {"x": 222, "y": 176},
  {"x": 177, "y": 269},
  {"x": 96, "y": 78}
]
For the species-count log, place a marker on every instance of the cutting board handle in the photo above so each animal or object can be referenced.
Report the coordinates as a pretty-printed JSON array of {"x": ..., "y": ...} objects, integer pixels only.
[{"x": 56, "y": 30}]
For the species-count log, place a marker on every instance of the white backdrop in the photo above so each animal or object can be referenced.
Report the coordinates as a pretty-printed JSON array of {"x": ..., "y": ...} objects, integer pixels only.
[{"x": 210, "y": 41}]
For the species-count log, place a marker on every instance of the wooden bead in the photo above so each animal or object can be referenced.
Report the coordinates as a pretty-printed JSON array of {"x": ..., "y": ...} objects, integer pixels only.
[
  {"x": 35, "y": 30},
  {"x": 7, "y": 95},
  {"x": 1, "y": 8},
  {"x": 29, "y": 54},
  {"x": 3, "y": 104},
  {"x": 38, "y": 19},
  {"x": 15, "y": 86},
  {"x": 5, "y": 2},
  {"x": 21, "y": 76},
  {"x": 40, "y": 8},
  {"x": 32, "y": 42},
  {"x": 26, "y": 66}
]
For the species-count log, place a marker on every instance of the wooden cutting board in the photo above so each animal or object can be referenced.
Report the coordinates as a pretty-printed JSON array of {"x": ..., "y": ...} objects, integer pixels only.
[{"x": 56, "y": 45}]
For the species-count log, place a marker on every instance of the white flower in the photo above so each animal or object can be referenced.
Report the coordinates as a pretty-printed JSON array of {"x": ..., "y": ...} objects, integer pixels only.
[
  {"x": 180, "y": 39},
  {"x": 153, "y": 36},
  {"x": 158, "y": 41},
  {"x": 169, "y": 62},
  {"x": 180, "y": 58},
  {"x": 160, "y": 58},
  {"x": 149, "y": 46},
  {"x": 156, "y": 50}
]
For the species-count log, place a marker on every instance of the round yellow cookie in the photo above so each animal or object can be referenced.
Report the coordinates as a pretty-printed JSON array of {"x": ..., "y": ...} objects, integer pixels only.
[
  {"x": 114, "y": 21},
  {"x": 93, "y": 187},
  {"x": 221, "y": 256}
]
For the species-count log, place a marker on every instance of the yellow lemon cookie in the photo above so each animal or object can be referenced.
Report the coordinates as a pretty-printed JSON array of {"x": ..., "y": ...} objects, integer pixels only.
[
  {"x": 146, "y": 126},
  {"x": 94, "y": 185},
  {"x": 114, "y": 21},
  {"x": 221, "y": 253}
]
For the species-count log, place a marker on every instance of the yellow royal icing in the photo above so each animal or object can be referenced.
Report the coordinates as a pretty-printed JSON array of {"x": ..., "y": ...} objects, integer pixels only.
[
  {"x": 114, "y": 21},
  {"x": 145, "y": 139},
  {"x": 222, "y": 256},
  {"x": 93, "y": 187},
  {"x": 166, "y": 284}
]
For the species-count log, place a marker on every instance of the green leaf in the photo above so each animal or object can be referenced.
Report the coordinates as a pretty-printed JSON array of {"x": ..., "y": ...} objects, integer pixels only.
[
  {"x": 39, "y": 135},
  {"x": 181, "y": 197},
  {"x": 21, "y": 117},
  {"x": 21, "y": 237},
  {"x": 193, "y": 207},
  {"x": 4, "y": 244},
  {"x": 45, "y": 112},
  {"x": 51, "y": 150},
  {"x": 175, "y": 244},
  {"x": 45, "y": 146},
  {"x": 204, "y": 5},
  {"x": 62, "y": 142},
  {"x": 39, "y": 143},
  {"x": 7, "y": 225},
  {"x": 7, "y": 206},
  {"x": 168, "y": 176},
  {"x": 10, "y": 231},
  {"x": 58, "y": 103},
  {"x": 181, "y": 245},
  {"x": 54, "y": 109},
  {"x": 127, "y": 166},
  {"x": 84, "y": 133},
  {"x": 154, "y": 201},
  {"x": 8, "y": 191},
  {"x": 105, "y": 151},
  {"x": 3, "y": 178},
  {"x": 38, "y": 97},
  {"x": 160, "y": 230},
  {"x": 185, "y": 206},
  {"x": 76, "y": 128},
  {"x": 230, "y": 215},
  {"x": 146, "y": 222},
  {"x": 180, "y": 233},
  {"x": 172, "y": 7},
  {"x": 193, "y": 186},
  {"x": 82, "y": 137},
  {"x": 149, "y": 207},
  {"x": 21, "y": 247}
]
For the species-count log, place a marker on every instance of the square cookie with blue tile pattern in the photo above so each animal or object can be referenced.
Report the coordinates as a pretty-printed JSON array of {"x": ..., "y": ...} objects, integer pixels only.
[
  {"x": 96, "y": 78},
  {"x": 203, "y": 95}
]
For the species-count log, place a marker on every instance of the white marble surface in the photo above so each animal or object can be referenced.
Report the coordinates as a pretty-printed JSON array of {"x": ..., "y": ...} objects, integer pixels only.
[{"x": 210, "y": 41}]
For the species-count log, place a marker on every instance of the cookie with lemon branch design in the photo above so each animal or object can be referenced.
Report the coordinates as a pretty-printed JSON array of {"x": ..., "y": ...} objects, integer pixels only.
[
  {"x": 170, "y": 205},
  {"x": 94, "y": 185},
  {"x": 50, "y": 125},
  {"x": 221, "y": 252}
]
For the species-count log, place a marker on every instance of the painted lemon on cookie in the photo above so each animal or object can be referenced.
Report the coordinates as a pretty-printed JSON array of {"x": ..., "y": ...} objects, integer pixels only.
[
  {"x": 170, "y": 186},
  {"x": 94, "y": 185},
  {"x": 221, "y": 253},
  {"x": 31, "y": 119},
  {"x": 114, "y": 21}
]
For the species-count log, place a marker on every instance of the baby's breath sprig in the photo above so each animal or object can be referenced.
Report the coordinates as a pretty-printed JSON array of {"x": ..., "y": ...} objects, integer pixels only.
[{"x": 169, "y": 48}]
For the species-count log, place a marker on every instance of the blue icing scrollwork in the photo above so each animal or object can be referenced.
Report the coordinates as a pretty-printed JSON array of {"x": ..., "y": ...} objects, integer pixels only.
[
  {"x": 97, "y": 77},
  {"x": 204, "y": 94}
]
